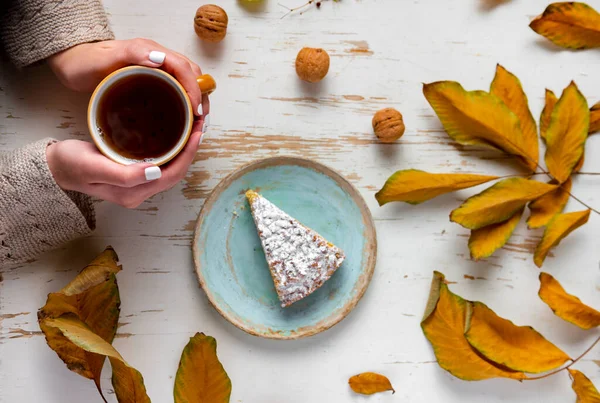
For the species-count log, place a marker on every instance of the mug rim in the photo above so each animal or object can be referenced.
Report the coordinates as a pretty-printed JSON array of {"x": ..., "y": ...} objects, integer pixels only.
[{"x": 113, "y": 78}]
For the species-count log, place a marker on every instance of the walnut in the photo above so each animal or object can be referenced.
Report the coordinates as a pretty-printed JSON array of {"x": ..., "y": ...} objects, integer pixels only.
[
  {"x": 388, "y": 125},
  {"x": 210, "y": 23},
  {"x": 312, "y": 64}
]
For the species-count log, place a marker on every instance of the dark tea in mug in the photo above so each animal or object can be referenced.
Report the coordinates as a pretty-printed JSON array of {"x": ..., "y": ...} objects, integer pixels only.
[{"x": 141, "y": 116}]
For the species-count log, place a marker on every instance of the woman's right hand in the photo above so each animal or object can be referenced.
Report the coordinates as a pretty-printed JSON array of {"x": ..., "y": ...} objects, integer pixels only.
[{"x": 79, "y": 166}]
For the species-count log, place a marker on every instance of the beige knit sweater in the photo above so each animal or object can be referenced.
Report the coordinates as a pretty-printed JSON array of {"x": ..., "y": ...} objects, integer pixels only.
[{"x": 35, "y": 213}]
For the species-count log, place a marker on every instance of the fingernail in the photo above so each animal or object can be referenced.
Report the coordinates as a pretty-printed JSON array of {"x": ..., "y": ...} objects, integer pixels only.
[
  {"x": 206, "y": 123},
  {"x": 200, "y": 112},
  {"x": 152, "y": 173},
  {"x": 201, "y": 138},
  {"x": 157, "y": 57}
]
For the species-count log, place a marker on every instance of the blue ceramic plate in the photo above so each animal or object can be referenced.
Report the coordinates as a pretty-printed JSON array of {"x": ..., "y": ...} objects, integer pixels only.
[{"x": 231, "y": 265}]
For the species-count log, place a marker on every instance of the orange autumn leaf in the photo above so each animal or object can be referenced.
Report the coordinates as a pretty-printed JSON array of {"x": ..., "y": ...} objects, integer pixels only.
[
  {"x": 93, "y": 296},
  {"x": 570, "y": 25},
  {"x": 507, "y": 87},
  {"x": 484, "y": 241},
  {"x": 499, "y": 202},
  {"x": 567, "y": 133},
  {"x": 479, "y": 118},
  {"x": 550, "y": 103},
  {"x": 444, "y": 325},
  {"x": 558, "y": 228},
  {"x": 201, "y": 377},
  {"x": 567, "y": 306},
  {"x": 549, "y": 205},
  {"x": 520, "y": 348},
  {"x": 414, "y": 186},
  {"x": 127, "y": 382},
  {"x": 584, "y": 388},
  {"x": 594, "y": 118},
  {"x": 369, "y": 383}
]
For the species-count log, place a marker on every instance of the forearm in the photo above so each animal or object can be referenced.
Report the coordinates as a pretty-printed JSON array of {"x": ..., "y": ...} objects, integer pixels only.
[{"x": 36, "y": 215}]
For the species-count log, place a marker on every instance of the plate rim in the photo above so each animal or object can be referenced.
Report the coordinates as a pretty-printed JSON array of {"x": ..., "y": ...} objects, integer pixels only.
[{"x": 370, "y": 235}]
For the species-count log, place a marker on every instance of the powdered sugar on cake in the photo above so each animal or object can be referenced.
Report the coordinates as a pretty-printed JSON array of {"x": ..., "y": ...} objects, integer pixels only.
[{"x": 300, "y": 259}]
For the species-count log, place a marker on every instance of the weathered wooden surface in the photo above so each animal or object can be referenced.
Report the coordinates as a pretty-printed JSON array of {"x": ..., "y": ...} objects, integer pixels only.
[{"x": 381, "y": 51}]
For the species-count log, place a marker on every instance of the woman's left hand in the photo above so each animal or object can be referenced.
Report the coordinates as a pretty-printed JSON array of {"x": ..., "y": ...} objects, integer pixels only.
[{"x": 82, "y": 67}]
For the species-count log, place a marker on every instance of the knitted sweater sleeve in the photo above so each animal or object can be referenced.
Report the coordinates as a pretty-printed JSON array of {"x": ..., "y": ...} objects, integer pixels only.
[
  {"x": 36, "y": 215},
  {"x": 33, "y": 30}
]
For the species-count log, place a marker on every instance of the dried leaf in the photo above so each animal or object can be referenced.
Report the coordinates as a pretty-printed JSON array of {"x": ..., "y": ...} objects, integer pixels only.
[
  {"x": 507, "y": 87},
  {"x": 567, "y": 306},
  {"x": 201, "y": 377},
  {"x": 499, "y": 202},
  {"x": 594, "y": 118},
  {"x": 558, "y": 228},
  {"x": 570, "y": 25},
  {"x": 369, "y": 383},
  {"x": 567, "y": 133},
  {"x": 484, "y": 241},
  {"x": 584, "y": 388},
  {"x": 127, "y": 381},
  {"x": 478, "y": 118},
  {"x": 549, "y": 105},
  {"x": 444, "y": 325},
  {"x": 549, "y": 205},
  {"x": 98, "y": 271},
  {"x": 520, "y": 348},
  {"x": 93, "y": 296},
  {"x": 414, "y": 186}
]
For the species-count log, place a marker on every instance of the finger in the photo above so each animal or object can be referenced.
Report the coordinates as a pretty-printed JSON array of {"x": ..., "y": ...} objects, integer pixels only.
[
  {"x": 105, "y": 171},
  {"x": 181, "y": 69},
  {"x": 151, "y": 54}
]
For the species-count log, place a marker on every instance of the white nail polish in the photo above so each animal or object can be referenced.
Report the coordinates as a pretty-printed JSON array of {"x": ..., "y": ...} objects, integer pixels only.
[
  {"x": 152, "y": 173},
  {"x": 157, "y": 57},
  {"x": 200, "y": 112},
  {"x": 201, "y": 138}
]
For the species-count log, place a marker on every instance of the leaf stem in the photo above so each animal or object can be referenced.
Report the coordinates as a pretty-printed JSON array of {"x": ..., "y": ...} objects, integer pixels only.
[
  {"x": 291, "y": 10},
  {"x": 568, "y": 366},
  {"x": 570, "y": 194}
]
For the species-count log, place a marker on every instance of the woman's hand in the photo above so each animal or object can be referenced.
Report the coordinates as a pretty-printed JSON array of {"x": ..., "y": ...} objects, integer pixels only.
[
  {"x": 82, "y": 67},
  {"x": 79, "y": 166}
]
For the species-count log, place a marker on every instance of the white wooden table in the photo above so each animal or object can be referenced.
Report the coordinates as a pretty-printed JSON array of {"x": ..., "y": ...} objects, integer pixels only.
[{"x": 381, "y": 52}]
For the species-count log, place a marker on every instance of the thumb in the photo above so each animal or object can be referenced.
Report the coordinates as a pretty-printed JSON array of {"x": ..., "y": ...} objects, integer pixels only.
[{"x": 127, "y": 176}]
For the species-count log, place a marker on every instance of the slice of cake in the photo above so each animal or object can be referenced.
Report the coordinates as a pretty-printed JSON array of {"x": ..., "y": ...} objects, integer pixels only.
[{"x": 300, "y": 260}]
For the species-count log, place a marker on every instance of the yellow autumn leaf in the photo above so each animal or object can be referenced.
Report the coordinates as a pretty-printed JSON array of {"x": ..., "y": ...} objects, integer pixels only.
[
  {"x": 594, "y": 118},
  {"x": 414, "y": 186},
  {"x": 550, "y": 103},
  {"x": 127, "y": 381},
  {"x": 507, "y": 87},
  {"x": 369, "y": 383},
  {"x": 93, "y": 296},
  {"x": 520, "y": 348},
  {"x": 567, "y": 133},
  {"x": 558, "y": 228},
  {"x": 584, "y": 388},
  {"x": 98, "y": 271},
  {"x": 201, "y": 377},
  {"x": 567, "y": 306},
  {"x": 443, "y": 324},
  {"x": 499, "y": 202},
  {"x": 478, "y": 118},
  {"x": 570, "y": 25},
  {"x": 484, "y": 241},
  {"x": 549, "y": 205}
]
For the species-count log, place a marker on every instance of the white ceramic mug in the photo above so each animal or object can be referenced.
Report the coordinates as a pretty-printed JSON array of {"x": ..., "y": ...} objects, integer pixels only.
[{"x": 113, "y": 78}]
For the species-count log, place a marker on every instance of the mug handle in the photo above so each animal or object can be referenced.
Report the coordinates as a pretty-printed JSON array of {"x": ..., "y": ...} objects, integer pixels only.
[{"x": 207, "y": 84}]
